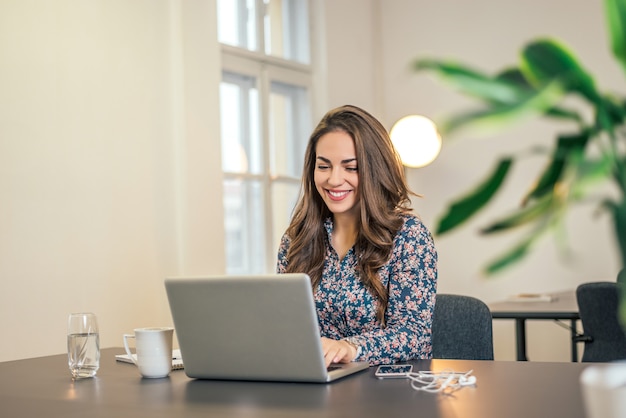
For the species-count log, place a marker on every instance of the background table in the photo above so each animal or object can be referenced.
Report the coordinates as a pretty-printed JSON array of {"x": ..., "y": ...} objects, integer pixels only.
[
  {"x": 564, "y": 307},
  {"x": 42, "y": 387}
]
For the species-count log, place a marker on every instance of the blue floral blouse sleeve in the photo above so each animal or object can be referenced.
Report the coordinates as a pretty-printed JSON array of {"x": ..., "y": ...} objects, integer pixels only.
[
  {"x": 281, "y": 265},
  {"x": 346, "y": 308}
]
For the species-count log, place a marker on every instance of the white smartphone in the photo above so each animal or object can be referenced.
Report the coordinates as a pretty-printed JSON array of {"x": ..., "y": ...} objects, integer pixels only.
[{"x": 393, "y": 371}]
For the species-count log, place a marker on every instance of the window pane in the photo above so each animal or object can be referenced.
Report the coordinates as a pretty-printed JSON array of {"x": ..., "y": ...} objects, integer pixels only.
[
  {"x": 236, "y": 23},
  {"x": 286, "y": 25},
  {"x": 284, "y": 198},
  {"x": 241, "y": 144},
  {"x": 244, "y": 216},
  {"x": 289, "y": 128}
]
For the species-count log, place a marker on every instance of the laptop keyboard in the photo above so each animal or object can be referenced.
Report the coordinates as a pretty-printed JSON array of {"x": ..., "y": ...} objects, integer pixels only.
[{"x": 331, "y": 368}]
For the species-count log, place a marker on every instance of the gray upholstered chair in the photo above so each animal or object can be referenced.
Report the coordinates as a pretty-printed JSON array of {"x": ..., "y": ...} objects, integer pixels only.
[
  {"x": 603, "y": 336},
  {"x": 462, "y": 328}
]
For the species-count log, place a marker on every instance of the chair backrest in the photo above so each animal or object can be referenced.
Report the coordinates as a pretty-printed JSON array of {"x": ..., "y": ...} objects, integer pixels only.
[
  {"x": 597, "y": 305},
  {"x": 462, "y": 328}
]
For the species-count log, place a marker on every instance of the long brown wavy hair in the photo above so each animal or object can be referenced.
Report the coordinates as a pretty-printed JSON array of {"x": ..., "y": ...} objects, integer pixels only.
[{"x": 384, "y": 196}]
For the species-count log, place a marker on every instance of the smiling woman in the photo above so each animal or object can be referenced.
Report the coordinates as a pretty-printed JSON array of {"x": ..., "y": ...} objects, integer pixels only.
[{"x": 372, "y": 263}]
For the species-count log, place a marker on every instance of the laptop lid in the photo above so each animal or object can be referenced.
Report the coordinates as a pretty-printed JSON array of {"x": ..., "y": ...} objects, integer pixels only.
[{"x": 260, "y": 327}]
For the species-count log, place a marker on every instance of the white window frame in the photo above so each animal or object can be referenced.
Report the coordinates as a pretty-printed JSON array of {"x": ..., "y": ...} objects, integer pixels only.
[{"x": 266, "y": 69}]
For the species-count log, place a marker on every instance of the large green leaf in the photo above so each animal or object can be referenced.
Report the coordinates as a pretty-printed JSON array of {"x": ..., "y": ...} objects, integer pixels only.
[
  {"x": 615, "y": 11},
  {"x": 464, "y": 208},
  {"x": 566, "y": 114},
  {"x": 528, "y": 214},
  {"x": 619, "y": 174},
  {"x": 516, "y": 253},
  {"x": 618, "y": 213},
  {"x": 510, "y": 257},
  {"x": 472, "y": 82},
  {"x": 589, "y": 173},
  {"x": 509, "y": 96},
  {"x": 546, "y": 60},
  {"x": 501, "y": 115},
  {"x": 604, "y": 118},
  {"x": 616, "y": 110},
  {"x": 515, "y": 76},
  {"x": 567, "y": 145}
]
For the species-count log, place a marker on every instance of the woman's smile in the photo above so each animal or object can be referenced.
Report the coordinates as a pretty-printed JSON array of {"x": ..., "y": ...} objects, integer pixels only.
[{"x": 338, "y": 195}]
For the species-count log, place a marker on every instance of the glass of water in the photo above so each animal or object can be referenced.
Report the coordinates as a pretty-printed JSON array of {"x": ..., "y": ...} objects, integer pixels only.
[{"x": 83, "y": 345}]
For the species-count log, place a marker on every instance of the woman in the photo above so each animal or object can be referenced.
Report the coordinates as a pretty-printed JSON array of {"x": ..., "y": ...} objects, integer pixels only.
[{"x": 373, "y": 265}]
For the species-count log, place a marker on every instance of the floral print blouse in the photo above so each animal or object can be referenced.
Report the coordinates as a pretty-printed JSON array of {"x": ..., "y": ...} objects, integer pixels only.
[{"x": 345, "y": 308}]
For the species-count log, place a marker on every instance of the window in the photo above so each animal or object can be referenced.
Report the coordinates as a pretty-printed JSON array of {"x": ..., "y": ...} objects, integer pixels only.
[
  {"x": 277, "y": 28},
  {"x": 265, "y": 104}
]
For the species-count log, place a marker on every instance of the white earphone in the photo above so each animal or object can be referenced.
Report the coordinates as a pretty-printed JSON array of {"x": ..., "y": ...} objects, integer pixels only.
[
  {"x": 467, "y": 380},
  {"x": 446, "y": 380}
]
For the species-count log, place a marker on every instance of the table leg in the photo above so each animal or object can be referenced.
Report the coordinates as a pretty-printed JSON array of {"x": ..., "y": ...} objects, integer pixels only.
[
  {"x": 574, "y": 335},
  {"x": 520, "y": 331}
]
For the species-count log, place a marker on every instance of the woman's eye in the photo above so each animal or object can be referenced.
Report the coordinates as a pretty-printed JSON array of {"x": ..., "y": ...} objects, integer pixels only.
[
  {"x": 322, "y": 167},
  {"x": 352, "y": 169}
]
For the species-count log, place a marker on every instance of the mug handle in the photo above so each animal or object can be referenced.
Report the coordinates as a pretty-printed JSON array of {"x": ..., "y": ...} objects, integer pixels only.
[{"x": 126, "y": 337}]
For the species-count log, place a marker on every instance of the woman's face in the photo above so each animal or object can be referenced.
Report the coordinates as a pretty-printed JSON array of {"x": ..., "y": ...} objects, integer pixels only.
[{"x": 336, "y": 175}]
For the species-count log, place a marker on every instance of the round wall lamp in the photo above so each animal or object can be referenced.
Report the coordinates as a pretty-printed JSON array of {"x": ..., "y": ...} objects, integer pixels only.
[{"x": 416, "y": 139}]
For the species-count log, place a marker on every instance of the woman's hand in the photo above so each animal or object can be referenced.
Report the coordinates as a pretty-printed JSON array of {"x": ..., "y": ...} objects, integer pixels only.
[{"x": 337, "y": 351}]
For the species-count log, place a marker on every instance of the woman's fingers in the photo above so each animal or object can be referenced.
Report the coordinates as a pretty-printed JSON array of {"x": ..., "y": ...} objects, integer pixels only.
[{"x": 337, "y": 351}]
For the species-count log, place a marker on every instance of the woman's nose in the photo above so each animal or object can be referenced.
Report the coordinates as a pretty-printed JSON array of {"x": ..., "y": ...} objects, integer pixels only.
[{"x": 336, "y": 177}]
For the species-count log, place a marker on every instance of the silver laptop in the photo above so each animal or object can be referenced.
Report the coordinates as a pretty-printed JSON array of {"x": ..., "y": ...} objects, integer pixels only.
[{"x": 250, "y": 328}]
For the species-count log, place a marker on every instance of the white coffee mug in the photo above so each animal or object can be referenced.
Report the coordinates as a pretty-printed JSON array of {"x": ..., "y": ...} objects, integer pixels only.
[{"x": 154, "y": 350}]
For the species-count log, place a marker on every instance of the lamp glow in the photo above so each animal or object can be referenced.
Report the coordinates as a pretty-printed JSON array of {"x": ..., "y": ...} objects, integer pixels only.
[{"x": 416, "y": 139}]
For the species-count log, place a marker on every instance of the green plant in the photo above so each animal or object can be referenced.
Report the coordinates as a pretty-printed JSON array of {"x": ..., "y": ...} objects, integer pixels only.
[{"x": 545, "y": 79}]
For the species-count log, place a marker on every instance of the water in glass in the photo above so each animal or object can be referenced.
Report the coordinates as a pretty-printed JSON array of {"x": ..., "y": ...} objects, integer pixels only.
[{"x": 83, "y": 346}]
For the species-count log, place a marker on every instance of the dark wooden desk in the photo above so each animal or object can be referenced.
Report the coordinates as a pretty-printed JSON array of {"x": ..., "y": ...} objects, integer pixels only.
[
  {"x": 42, "y": 387},
  {"x": 564, "y": 307}
]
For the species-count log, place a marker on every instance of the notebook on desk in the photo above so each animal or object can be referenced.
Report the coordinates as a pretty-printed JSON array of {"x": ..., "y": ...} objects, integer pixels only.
[{"x": 250, "y": 328}]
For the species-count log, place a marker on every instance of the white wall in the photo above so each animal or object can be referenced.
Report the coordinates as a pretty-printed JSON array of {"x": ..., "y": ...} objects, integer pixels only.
[
  {"x": 487, "y": 34},
  {"x": 107, "y": 178},
  {"x": 352, "y": 48}
]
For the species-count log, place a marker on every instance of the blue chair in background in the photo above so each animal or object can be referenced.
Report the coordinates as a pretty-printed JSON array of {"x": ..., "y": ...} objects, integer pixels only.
[
  {"x": 603, "y": 336},
  {"x": 462, "y": 328}
]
